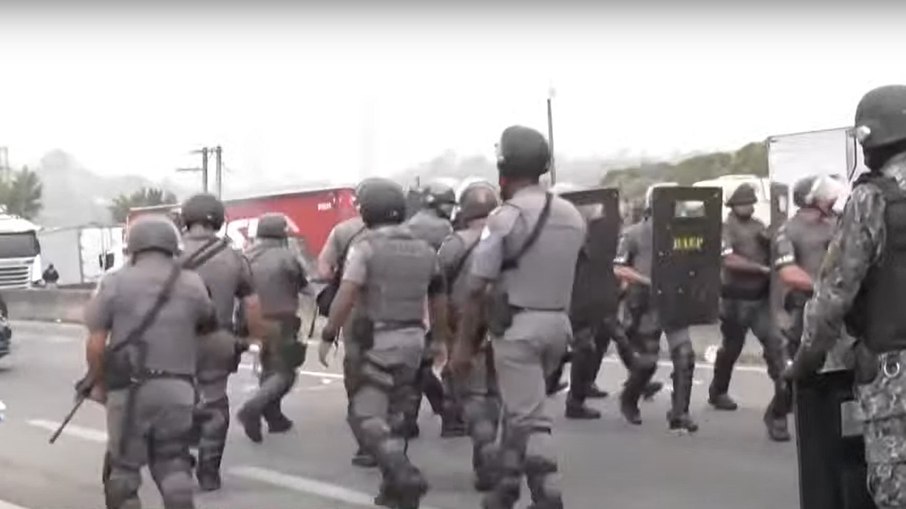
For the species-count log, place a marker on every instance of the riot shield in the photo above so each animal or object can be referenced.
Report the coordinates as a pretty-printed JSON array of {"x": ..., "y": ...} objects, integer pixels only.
[
  {"x": 829, "y": 444},
  {"x": 685, "y": 272},
  {"x": 780, "y": 204},
  {"x": 780, "y": 201},
  {"x": 595, "y": 286}
]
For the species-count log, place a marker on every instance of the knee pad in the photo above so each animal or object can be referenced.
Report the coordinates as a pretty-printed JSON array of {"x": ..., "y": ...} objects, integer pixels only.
[
  {"x": 484, "y": 431},
  {"x": 373, "y": 429},
  {"x": 376, "y": 376},
  {"x": 684, "y": 356}
]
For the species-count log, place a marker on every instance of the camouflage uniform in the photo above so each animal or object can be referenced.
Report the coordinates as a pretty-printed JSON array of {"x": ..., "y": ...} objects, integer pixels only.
[{"x": 856, "y": 252}]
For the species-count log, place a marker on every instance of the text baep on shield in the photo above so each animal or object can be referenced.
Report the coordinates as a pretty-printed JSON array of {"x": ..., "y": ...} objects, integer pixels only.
[{"x": 685, "y": 274}]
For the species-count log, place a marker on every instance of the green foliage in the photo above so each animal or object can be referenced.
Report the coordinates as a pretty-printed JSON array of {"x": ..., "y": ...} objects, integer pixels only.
[
  {"x": 20, "y": 193},
  {"x": 144, "y": 197},
  {"x": 633, "y": 181}
]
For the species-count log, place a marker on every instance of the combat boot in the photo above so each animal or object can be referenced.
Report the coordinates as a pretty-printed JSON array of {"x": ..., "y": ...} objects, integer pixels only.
[
  {"x": 595, "y": 392},
  {"x": 722, "y": 402},
  {"x": 682, "y": 422},
  {"x": 251, "y": 425},
  {"x": 363, "y": 459},
  {"x": 578, "y": 410},
  {"x": 208, "y": 480},
  {"x": 629, "y": 407},
  {"x": 683, "y": 370},
  {"x": 651, "y": 390},
  {"x": 452, "y": 424},
  {"x": 776, "y": 427},
  {"x": 280, "y": 426}
]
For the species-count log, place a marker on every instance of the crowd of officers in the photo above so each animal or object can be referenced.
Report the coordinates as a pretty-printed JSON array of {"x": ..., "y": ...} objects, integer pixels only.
[{"x": 487, "y": 296}]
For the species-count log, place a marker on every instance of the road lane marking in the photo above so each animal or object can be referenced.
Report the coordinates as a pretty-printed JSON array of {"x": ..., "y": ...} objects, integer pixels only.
[
  {"x": 611, "y": 359},
  {"x": 9, "y": 505},
  {"x": 305, "y": 485},
  {"x": 89, "y": 434},
  {"x": 317, "y": 374}
]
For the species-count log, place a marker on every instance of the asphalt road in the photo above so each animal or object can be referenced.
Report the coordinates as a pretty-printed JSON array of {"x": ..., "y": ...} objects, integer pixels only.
[{"x": 606, "y": 463}]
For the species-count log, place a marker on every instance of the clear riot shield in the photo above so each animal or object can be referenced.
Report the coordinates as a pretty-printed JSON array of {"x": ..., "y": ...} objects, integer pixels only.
[
  {"x": 686, "y": 265},
  {"x": 829, "y": 444},
  {"x": 595, "y": 286}
]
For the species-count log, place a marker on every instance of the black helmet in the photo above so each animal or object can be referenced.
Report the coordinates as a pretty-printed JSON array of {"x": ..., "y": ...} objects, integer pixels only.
[
  {"x": 438, "y": 193},
  {"x": 881, "y": 117},
  {"x": 477, "y": 201},
  {"x": 743, "y": 195},
  {"x": 359, "y": 189},
  {"x": 205, "y": 209},
  {"x": 522, "y": 152},
  {"x": 152, "y": 232},
  {"x": 271, "y": 226},
  {"x": 382, "y": 202},
  {"x": 802, "y": 189}
]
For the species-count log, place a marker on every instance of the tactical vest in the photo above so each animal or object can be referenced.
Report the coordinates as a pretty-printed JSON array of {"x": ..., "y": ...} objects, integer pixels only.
[
  {"x": 430, "y": 227},
  {"x": 811, "y": 237},
  {"x": 399, "y": 271},
  {"x": 749, "y": 240},
  {"x": 876, "y": 315}
]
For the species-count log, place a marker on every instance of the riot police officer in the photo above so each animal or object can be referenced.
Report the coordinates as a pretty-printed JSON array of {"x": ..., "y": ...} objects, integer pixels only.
[
  {"x": 861, "y": 284},
  {"x": 390, "y": 273},
  {"x": 527, "y": 254},
  {"x": 593, "y": 311},
  {"x": 475, "y": 396},
  {"x": 227, "y": 275},
  {"x": 151, "y": 311},
  {"x": 279, "y": 279},
  {"x": 432, "y": 223},
  {"x": 800, "y": 246},
  {"x": 330, "y": 265},
  {"x": 746, "y": 305},
  {"x": 632, "y": 265}
]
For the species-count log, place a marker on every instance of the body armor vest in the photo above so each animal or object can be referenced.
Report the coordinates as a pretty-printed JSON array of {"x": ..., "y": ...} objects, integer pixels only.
[
  {"x": 399, "y": 272},
  {"x": 811, "y": 236},
  {"x": 876, "y": 316},
  {"x": 748, "y": 239}
]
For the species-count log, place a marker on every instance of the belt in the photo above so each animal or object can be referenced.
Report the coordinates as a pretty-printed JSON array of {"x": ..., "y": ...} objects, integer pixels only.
[
  {"x": 151, "y": 374},
  {"x": 520, "y": 309},
  {"x": 891, "y": 362},
  {"x": 397, "y": 325}
]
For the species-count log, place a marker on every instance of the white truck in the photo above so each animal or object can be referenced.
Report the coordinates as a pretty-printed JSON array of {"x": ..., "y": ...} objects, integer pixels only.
[
  {"x": 825, "y": 152},
  {"x": 82, "y": 255},
  {"x": 20, "y": 253}
]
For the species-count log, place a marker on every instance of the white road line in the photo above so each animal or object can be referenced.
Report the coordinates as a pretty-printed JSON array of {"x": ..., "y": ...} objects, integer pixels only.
[
  {"x": 698, "y": 365},
  {"x": 302, "y": 484},
  {"x": 8, "y": 505},
  {"x": 318, "y": 374},
  {"x": 89, "y": 434}
]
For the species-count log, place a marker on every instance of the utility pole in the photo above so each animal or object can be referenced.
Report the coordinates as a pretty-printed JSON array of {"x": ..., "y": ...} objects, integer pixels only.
[
  {"x": 218, "y": 175},
  {"x": 204, "y": 167},
  {"x": 550, "y": 133}
]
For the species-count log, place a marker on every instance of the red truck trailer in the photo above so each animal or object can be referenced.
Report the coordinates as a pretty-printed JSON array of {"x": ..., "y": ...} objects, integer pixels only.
[{"x": 311, "y": 215}]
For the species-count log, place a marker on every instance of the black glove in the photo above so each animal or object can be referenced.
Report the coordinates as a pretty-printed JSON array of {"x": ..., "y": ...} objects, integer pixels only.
[{"x": 83, "y": 387}]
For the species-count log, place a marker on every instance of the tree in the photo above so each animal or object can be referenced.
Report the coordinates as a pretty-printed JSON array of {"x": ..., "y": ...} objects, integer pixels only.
[
  {"x": 20, "y": 194},
  {"x": 144, "y": 197}
]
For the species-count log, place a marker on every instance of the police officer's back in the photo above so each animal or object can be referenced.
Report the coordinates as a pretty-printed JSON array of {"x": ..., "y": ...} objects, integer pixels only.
[
  {"x": 150, "y": 424},
  {"x": 532, "y": 282},
  {"x": 432, "y": 222}
]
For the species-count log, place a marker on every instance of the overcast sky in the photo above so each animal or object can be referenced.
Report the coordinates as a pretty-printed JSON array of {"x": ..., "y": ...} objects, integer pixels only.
[{"x": 312, "y": 93}]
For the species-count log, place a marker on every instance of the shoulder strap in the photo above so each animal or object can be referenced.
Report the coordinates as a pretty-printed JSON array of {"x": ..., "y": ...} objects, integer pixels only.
[
  {"x": 513, "y": 262},
  {"x": 460, "y": 264},
  {"x": 194, "y": 260},
  {"x": 341, "y": 261}
]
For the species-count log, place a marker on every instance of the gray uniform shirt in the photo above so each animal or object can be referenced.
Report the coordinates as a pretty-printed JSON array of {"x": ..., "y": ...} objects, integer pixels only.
[
  {"x": 227, "y": 275},
  {"x": 430, "y": 227},
  {"x": 124, "y": 298},
  {"x": 278, "y": 277},
  {"x": 543, "y": 279},
  {"x": 339, "y": 238}
]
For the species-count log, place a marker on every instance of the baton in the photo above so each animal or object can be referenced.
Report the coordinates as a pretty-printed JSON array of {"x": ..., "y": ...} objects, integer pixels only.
[
  {"x": 314, "y": 318},
  {"x": 75, "y": 408}
]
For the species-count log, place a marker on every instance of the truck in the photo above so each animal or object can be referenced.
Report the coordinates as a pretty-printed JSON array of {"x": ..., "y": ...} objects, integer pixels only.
[
  {"x": 823, "y": 152},
  {"x": 83, "y": 254},
  {"x": 311, "y": 215},
  {"x": 20, "y": 253}
]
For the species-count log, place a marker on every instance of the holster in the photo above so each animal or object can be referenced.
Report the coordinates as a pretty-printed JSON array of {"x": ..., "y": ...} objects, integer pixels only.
[
  {"x": 796, "y": 300},
  {"x": 119, "y": 369},
  {"x": 638, "y": 299},
  {"x": 325, "y": 298},
  {"x": 866, "y": 364},
  {"x": 500, "y": 313},
  {"x": 363, "y": 332}
]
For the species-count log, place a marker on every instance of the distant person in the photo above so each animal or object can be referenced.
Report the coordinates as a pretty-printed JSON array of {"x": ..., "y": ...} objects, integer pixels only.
[{"x": 51, "y": 276}]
